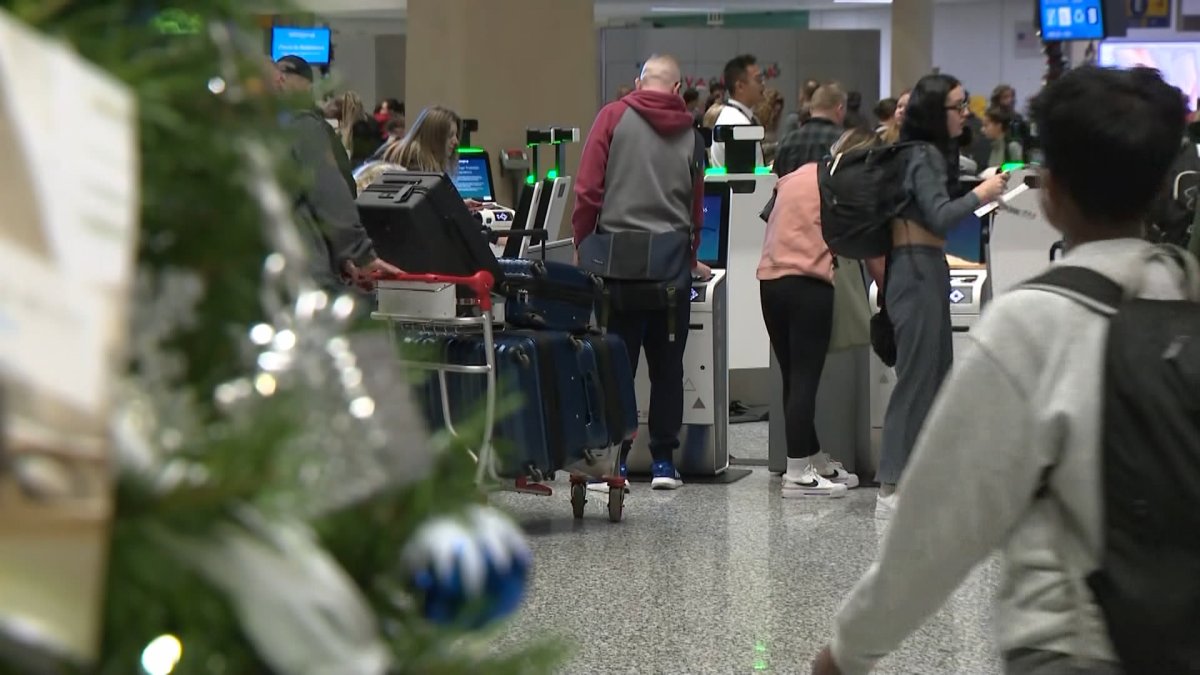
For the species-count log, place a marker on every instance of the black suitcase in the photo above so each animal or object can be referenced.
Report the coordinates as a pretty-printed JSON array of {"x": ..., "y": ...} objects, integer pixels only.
[
  {"x": 547, "y": 295},
  {"x": 419, "y": 223}
]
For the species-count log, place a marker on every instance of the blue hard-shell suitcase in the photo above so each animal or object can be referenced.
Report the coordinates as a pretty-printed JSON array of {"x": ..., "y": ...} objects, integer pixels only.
[
  {"x": 574, "y": 381},
  {"x": 562, "y": 414},
  {"x": 616, "y": 379},
  {"x": 548, "y": 295},
  {"x": 522, "y": 438}
]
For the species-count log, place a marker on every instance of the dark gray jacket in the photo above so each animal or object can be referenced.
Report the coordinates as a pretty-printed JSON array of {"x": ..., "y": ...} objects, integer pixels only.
[
  {"x": 926, "y": 181},
  {"x": 325, "y": 210}
]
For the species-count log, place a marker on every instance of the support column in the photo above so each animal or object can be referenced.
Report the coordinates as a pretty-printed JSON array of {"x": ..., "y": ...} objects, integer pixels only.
[
  {"x": 511, "y": 65},
  {"x": 912, "y": 42}
]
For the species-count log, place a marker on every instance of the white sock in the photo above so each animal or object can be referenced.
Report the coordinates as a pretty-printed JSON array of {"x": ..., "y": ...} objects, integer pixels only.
[
  {"x": 796, "y": 467},
  {"x": 820, "y": 462}
]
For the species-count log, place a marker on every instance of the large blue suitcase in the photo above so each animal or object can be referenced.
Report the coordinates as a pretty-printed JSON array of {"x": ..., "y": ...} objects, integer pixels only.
[
  {"x": 577, "y": 384},
  {"x": 558, "y": 379},
  {"x": 548, "y": 295},
  {"x": 616, "y": 380}
]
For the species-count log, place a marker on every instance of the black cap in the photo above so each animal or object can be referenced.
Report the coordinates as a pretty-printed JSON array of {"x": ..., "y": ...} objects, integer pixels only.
[{"x": 295, "y": 65}]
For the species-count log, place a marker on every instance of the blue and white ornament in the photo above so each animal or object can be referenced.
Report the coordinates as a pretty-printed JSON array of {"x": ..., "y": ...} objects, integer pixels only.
[{"x": 469, "y": 570}]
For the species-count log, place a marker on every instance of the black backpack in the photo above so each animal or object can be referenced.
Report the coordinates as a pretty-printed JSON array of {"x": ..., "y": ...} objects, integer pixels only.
[
  {"x": 1173, "y": 212},
  {"x": 1148, "y": 584},
  {"x": 862, "y": 191}
]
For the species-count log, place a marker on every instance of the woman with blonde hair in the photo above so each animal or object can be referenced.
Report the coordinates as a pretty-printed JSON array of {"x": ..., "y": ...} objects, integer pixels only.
[
  {"x": 431, "y": 143},
  {"x": 769, "y": 114},
  {"x": 356, "y": 129},
  {"x": 891, "y": 128},
  {"x": 795, "y": 278}
]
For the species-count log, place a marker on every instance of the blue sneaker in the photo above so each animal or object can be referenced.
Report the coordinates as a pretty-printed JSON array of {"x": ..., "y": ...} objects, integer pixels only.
[{"x": 665, "y": 476}]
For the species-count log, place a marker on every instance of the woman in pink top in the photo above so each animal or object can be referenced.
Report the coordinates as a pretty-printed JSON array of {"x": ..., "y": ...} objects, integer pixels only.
[{"x": 796, "y": 286}]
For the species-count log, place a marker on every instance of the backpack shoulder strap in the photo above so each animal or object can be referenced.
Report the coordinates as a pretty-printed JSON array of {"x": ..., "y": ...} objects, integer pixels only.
[
  {"x": 1086, "y": 287},
  {"x": 699, "y": 156}
]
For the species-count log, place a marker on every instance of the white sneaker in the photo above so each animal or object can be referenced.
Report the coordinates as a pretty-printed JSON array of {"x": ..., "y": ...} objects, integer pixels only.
[
  {"x": 839, "y": 474},
  {"x": 811, "y": 484},
  {"x": 885, "y": 506}
]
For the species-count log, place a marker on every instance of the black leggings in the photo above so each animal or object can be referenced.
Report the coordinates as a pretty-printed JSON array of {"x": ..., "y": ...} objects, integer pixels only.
[{"x": 798, "y": 312}]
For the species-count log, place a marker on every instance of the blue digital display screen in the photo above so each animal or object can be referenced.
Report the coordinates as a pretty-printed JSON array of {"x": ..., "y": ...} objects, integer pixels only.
[
  {"x": 965, "y": 240},
  {"x": 310, "y": 44},
  {"x": 474, "y": 180},
  {"x": 710, "y": 232},
  {"x": 1064, "y": 20}
]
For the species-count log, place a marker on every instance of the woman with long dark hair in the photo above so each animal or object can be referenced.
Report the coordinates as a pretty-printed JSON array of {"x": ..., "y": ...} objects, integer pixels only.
[{"x": 917, "y": 286}]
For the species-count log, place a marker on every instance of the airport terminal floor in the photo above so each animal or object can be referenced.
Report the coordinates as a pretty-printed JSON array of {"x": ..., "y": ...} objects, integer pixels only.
[{"x": 722, "y": 578}]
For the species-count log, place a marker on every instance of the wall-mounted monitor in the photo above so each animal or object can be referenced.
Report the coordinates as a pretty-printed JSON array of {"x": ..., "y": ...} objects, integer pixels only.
[
  {"x": 1068, "y": 20},
  {"x": 1179, "y": 62},
  {"x": 309, "y": 43}
]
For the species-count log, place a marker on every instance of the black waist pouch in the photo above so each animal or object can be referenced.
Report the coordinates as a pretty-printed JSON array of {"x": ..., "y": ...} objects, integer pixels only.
[
  {"x": 883, "y": 338},
  {"x": 642, "y": 271}
]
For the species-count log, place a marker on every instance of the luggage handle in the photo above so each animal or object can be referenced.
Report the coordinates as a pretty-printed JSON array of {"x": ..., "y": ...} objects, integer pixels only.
[
  {"x": 480, "y": 283},
  {"x": 495, "y": 235},
  {"x": 532, "y": 235},
  {"x": 593, "y": 388}
]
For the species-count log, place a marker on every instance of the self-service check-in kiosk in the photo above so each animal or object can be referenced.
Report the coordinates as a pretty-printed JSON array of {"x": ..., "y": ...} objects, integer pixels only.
[
  {"x": 1020, "y": 236},
  {"x": 750, "y": 188},
  {"x": 703, "y": 448}
]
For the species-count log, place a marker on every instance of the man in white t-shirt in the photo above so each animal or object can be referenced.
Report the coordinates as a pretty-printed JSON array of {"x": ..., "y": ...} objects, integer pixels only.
[{"x": 745, "y": 84}]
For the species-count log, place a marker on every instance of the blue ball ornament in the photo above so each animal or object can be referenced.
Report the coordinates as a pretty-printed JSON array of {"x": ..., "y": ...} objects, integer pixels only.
[{"x": 469, "y": 571}]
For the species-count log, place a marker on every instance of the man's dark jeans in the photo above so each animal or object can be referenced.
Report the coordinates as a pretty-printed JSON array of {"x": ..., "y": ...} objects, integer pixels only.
[{"x": 650, "y": 330}]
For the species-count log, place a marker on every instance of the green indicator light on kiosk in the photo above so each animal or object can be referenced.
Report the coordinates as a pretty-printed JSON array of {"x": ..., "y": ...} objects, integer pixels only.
[
  {"x": 1011, "y": 166},
  {"x": 530, "y": 180},
  {"x": 552, "y": 174},
  {"x": 470, "y": 151},
  {"x": 762, "y": 170},
  {"x": 716, "y": 171}
]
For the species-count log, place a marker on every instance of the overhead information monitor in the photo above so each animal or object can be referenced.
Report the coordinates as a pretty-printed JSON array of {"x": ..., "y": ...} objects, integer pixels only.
[
  {"x": 1066, "y": 20},
  {"x": 310, "y": 44}
]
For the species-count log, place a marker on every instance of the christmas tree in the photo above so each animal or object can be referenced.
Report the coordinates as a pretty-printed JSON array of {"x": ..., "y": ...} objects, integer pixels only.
[{"x": 271, "y": 512}]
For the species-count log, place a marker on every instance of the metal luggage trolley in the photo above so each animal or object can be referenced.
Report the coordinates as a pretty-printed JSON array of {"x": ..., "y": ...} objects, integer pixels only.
[{"x": 430, "y": 304}]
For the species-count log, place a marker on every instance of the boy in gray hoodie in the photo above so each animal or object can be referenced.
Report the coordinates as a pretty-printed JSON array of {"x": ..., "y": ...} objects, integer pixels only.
[{"x": 1025, "y": 398}]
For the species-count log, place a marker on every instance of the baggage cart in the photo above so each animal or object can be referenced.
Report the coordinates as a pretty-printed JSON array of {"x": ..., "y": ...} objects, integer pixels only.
[{"x": 431, "y": 304}]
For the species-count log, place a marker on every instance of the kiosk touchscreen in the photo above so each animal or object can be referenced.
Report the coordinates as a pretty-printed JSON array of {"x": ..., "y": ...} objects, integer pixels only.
[
  {"x": 703, "y": 441},
  {"x": 474, "y": 177}
]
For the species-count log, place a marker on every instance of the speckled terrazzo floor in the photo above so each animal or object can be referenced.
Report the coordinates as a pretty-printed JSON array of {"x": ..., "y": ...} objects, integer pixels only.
[{"x": 721, "y": 579}]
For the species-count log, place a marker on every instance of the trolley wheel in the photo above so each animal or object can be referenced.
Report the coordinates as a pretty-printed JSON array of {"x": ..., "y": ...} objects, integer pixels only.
[
  {"x": 578, "y": 499},
  {"x": 616, "y": 503}
]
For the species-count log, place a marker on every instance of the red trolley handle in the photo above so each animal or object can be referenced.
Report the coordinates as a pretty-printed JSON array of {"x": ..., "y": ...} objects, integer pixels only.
[{"x": 480, "y": 283}]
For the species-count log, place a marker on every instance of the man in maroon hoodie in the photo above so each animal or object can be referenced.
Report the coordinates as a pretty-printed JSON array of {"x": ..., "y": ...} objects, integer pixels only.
[{"x": 642, "y": 171}]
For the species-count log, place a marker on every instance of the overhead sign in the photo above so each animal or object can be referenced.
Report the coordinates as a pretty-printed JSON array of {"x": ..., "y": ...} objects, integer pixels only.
[{"x": 1149, "y": 13}]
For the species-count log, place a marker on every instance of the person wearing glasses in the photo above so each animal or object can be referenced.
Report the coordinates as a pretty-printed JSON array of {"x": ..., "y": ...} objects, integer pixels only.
[{"x": 917, "y": 280}]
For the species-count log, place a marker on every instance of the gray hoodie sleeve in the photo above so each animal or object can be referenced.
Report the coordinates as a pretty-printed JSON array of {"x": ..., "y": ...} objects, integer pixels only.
[
  {"x": 970, "y": 479},
  {"x": 328, "y": 196},
  {"x": 926, "y": 182}
]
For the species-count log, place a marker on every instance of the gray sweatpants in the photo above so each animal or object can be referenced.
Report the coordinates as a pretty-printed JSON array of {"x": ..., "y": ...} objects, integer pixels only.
[{"x": 917, "y": 298}]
